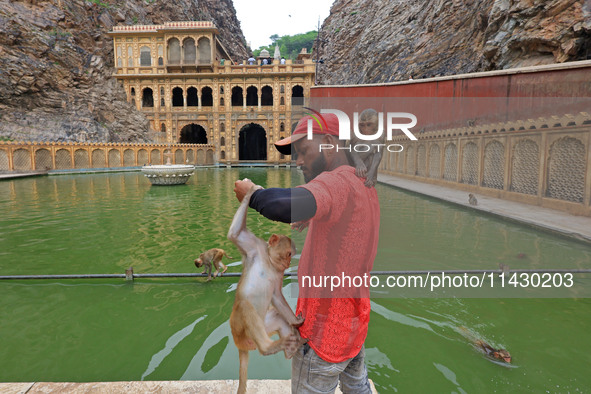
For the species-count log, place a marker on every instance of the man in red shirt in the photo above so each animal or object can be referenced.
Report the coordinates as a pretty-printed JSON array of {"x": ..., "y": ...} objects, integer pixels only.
[{"x": 340, "y": 247}]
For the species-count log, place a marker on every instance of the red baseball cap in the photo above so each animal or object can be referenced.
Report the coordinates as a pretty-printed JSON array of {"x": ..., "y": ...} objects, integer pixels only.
[{"x": 321, "y": 124}]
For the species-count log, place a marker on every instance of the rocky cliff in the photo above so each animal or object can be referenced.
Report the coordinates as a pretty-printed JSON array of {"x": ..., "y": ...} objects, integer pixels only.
[
  {"x": 56, "y": 65},
  {"x": 370, "y": 41}
]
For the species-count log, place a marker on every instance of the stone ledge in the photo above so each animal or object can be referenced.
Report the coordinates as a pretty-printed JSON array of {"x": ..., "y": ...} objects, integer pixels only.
[
  {"x": 577, "y": 227},
  {"x": 181, "y": 386}
]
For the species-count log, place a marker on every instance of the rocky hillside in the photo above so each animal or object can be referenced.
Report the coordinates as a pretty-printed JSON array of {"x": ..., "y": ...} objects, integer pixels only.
[
  {"x": 389, "y": 40},
  {"x": 56, "y": 65}
]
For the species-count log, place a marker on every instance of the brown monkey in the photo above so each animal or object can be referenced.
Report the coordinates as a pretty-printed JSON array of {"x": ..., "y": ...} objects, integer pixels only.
[
  {"x": 366, "y": 163},
  {"x": 499, "y": 354},
  {"x": 472, "y": 199},
  {"x": 260, "y": 310},
  {"x": 212, "y": 257}
]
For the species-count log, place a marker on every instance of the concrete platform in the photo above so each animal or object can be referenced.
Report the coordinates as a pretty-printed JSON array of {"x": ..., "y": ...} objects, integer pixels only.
[
  {"x": 202, "y": 387},
  {"x": 578, "y": 227}
]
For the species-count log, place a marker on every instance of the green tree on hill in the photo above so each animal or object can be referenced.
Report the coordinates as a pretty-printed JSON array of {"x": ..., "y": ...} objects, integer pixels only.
[{"x": 289, "y": 46}]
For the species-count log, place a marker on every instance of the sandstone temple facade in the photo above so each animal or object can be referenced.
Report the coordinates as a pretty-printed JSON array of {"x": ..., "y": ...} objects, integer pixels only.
[{"x": 181, "y": 77}]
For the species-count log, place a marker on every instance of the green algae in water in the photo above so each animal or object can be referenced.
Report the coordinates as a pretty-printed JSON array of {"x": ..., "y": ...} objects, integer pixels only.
[{"x": 168, "y": 329}]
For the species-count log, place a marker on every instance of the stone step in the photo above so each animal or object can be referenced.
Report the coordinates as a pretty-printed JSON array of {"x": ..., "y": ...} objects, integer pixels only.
[{"x": 133, "y": 387}]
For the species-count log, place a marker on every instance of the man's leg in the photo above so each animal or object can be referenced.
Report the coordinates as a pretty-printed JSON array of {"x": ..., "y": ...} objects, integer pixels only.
[
  {"x": 311, "y": 374},
  {"x": 354, "y": 377}
]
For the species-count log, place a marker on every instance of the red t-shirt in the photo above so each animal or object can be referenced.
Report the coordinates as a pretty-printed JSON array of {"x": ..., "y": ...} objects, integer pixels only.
[{"x": 341, "y": 243}]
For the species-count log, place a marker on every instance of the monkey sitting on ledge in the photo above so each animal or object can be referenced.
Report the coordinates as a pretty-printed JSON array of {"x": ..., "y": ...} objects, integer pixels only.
[{"x": 260, "y": 309}]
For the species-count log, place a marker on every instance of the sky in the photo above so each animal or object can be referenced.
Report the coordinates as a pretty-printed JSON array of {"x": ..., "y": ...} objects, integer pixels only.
[{"x": 260, "y": 19}]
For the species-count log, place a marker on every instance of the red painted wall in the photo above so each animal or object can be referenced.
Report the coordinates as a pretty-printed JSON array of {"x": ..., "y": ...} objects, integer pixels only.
[{"x": 480, "y": 98}]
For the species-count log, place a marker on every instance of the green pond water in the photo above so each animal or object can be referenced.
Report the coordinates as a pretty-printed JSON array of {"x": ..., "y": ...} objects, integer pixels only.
[{"x": 170, "y": 329}]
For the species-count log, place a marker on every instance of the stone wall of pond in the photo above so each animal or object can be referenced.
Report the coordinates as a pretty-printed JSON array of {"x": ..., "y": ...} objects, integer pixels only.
[
  {"x": 20, "y": 156},
  {"x": 545, "y": 162}
]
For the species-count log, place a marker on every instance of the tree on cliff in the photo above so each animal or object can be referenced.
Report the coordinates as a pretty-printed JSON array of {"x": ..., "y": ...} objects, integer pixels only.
[{"x": 290, "y": 46}]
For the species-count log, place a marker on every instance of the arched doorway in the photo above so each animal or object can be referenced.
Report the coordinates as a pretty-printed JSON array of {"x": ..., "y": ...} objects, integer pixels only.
[
  {"x": 267, "y": 96},
  {"x": 297, "y": 95},
  {"x": 237, "y": 98},
  {"x": 252, "y": 96},
  {"x": 193, "y": 134},
  {"x": 147, "y": 98},
  {"x": 192, "y": 98},
  {"x": 252, "y": 142},
  {"x": 177, "y": 97},
  {"x": 206, "y": 97}
]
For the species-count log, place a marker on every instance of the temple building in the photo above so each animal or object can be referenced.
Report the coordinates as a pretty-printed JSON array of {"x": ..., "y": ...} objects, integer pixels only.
[{"x": 181, "y": 77}]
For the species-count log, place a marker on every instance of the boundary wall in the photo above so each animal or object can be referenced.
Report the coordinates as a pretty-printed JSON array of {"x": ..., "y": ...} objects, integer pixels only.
[
  {"x": 32, "y": 156},
  {"x": 522, "y": 134}
]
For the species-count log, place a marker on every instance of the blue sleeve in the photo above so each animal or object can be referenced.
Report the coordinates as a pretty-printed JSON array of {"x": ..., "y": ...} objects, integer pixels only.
[{"x": 284, "y": 205}]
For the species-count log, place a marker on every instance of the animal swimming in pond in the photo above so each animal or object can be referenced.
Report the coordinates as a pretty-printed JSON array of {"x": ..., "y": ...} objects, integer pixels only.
[
  {"x": 483, "y": 346},
  {"x": 499, "y": 354}
]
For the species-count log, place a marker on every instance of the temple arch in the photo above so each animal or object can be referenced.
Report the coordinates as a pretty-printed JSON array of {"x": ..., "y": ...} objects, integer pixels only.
[
  {"x": 145, "y": 56},
  {"x": 252, "y": 142},
  {"x": 252, "y": 96},
  {"x": 192, "y": 99},
  {"x": 237, "y": 98},
  {"x": 174, "y": 51},
  {"x": 267, "y": 95},
  {"x": 193, "y": 134},
  {"x": 204, "y": 50},
  {"x": 297, "y": 95},
  {"x": 160, "y": 55},
  {"x": 177, "y": 97},
  {"x": 207, "y": 97},
  {"x": 147, "y": 97},
  {"x": 190, "y": 51}
]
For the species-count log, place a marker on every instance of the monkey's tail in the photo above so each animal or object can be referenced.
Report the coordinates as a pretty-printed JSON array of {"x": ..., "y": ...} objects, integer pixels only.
[
  {"x": 226, "y": 254},
  {"x": 243, "y": 374}
]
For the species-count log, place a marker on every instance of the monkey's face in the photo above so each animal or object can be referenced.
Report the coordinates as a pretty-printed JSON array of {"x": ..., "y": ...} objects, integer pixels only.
[
  {"x": 281, "y": 250},
  {"x": 502, "y": 354},
  {"x": 198, "y": 262},
  {"x": 368, "y": 126}
]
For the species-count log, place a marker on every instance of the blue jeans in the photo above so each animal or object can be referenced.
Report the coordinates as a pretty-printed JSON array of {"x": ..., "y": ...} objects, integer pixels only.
[{"x": 311, "y": 374}]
